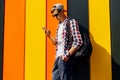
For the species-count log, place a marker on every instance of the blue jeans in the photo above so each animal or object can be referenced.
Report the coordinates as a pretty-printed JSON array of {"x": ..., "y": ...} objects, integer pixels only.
[{"x": 62, "y": 70}]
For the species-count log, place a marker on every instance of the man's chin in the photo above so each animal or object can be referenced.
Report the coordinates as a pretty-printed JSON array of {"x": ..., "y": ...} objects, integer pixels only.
[{"x": 57, "y": 18}]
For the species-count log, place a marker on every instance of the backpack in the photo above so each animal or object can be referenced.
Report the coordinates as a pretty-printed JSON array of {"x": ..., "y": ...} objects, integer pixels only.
[{"x": 85, "y": 50}]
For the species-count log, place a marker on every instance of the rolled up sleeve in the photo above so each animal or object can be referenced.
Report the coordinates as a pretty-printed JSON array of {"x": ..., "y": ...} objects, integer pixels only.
[{"x": 77, "y": 39}]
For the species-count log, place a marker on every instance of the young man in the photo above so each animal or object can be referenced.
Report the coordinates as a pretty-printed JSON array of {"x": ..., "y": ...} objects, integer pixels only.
[{"x": 65, "y": 50}]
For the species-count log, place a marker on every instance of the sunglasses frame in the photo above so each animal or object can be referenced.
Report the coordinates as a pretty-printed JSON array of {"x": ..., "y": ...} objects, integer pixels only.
[{"x": 55, "y": 15}]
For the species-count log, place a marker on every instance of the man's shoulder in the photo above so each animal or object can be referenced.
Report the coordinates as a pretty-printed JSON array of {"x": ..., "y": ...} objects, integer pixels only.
[{"x": 72, "y": 19}]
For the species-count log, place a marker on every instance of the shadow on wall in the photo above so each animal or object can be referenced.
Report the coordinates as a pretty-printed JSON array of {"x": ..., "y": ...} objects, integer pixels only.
[
  {"x": 115, "y": 70},
  {"x": 100, "y": 62},
  {"x": 100, "y": 65}
]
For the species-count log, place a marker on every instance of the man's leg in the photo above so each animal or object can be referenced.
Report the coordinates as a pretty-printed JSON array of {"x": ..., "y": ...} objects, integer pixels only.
[
  {"x": 55, "y": 72},
  {"x": 65, "y": 69}
]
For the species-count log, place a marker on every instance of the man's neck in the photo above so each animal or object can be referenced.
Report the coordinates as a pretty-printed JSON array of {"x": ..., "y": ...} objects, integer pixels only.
[{"x": 63, "y": 18}]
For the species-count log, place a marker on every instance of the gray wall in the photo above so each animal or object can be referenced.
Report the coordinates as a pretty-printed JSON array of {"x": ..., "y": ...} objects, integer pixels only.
[
  {"x": 115, "y": 38},
  {"x": 78, "y": 9},
  {"x": 1, "y": 34}
]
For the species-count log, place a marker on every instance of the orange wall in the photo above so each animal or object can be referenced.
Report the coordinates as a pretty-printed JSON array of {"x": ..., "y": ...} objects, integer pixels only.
[
  {"x": 52, "y": 25},
  {"x": 13, "y": 65}
]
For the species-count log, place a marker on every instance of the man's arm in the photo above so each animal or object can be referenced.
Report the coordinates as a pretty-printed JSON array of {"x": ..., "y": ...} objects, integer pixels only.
[
  {"x": 53, "y": 40},
  {"x": 71, "y": 51},
  {"x": 77, "y": 39},
  {"x": 48, "y": 34}
]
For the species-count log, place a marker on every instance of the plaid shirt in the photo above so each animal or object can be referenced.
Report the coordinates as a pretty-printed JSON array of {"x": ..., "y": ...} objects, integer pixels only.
[{"x": 75, "y": 35}]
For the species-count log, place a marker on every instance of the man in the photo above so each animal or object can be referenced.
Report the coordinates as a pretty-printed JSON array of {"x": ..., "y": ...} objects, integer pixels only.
[{"x": 64, "y": 49}]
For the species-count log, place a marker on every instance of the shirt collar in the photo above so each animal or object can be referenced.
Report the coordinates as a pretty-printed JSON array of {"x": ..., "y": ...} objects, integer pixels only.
[{"x": 64, "y": 22}]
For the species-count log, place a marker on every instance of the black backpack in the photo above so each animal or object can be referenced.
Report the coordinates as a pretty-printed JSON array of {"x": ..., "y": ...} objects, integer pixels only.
[{"x": 85, "y": 50}]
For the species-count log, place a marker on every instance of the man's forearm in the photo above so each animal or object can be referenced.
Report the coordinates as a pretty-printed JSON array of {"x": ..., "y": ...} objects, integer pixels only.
[
  {"x": 72, "y": 50},
  {"x": 53, "y": 40}
]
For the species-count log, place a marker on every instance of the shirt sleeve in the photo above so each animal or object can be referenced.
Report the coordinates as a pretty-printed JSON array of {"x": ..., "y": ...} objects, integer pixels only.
[{"x": 77, "y": 39}]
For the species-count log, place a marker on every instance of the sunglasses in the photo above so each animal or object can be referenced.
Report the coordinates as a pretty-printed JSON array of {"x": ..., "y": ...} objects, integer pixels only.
[{"x": 55, "y": 15}]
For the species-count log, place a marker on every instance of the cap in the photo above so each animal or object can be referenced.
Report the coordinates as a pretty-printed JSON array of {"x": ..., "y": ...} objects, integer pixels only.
[{"x": 58, "y": 6}]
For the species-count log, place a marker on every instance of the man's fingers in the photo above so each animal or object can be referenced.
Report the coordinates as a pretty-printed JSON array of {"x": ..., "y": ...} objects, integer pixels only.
[
  {"x": 46, "y": 31},
  {"x": 64, "y": 58},
  {"x": 44, "y": 28}
]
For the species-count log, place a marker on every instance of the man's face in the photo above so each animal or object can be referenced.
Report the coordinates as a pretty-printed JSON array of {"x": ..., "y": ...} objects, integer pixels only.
[{"x": 55, "y": 13}]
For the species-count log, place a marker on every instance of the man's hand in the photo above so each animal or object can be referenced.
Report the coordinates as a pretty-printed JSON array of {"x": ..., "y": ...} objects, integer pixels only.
[
  {"x": 47, "y": 32},
  {"x": 64, "y": 58}
]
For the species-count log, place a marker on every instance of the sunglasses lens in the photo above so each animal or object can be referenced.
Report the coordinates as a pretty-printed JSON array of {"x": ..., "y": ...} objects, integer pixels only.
[
  {"x": 56, "y": 15},
  {"x": 52, "y": 10}
]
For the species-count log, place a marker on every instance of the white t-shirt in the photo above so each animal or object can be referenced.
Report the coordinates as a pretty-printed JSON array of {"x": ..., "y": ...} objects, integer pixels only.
[{"x": 61, "y": 40}]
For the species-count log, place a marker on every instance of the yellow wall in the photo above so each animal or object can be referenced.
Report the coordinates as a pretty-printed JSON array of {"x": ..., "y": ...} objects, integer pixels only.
[
  {"x": 99, "y": 24},
  {"x": 35, "y": 40}
]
